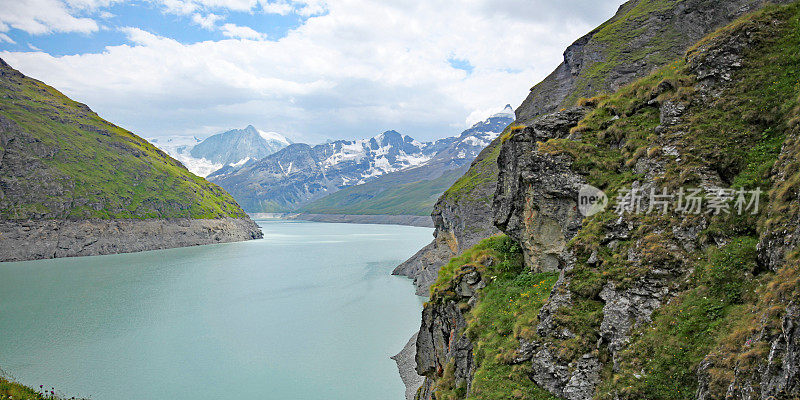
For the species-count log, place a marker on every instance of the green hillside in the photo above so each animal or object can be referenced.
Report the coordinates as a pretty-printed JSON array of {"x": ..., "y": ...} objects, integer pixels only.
[
  {"x": 388, "y": 195},
  {"x": 61, "y": 160}
]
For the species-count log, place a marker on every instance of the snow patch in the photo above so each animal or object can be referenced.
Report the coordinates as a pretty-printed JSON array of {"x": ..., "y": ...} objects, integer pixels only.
[
  {"x": 240, "y": 162},
  {"x": 273, "y": 137},
  {"x": 473, "y": 141}
]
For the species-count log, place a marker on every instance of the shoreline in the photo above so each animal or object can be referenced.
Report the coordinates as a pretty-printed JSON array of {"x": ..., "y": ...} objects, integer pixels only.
[
  {"x": 56, "y": 238},
  {"x": 422, "y": 221}
]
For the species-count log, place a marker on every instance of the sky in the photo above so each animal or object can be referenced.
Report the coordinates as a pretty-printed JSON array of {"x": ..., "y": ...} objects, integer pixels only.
[{"x": 309, "y": 69}]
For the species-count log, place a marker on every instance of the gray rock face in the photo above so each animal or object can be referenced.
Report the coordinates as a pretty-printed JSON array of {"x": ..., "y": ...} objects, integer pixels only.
[
  {"x": 534, "y": 195},
  {"x": 40, "y": 239},
  {"x": 442, "y": 339},
  {"x": 777, "y": 374},
  {"x": 467, "y": 220},
  {"x": 775, "y": 377},
  {"x": 536, "y": 198}
]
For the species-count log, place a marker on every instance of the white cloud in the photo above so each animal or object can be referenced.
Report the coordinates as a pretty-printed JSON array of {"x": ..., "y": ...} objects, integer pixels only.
[
  {"x": 355, "y": 68},
  {"x": 281, "y": 7},
  {"x": 90, "y": 4},
  {"x": 208, "y": 21},
  {"x": 179, "y": 7},
  {"x": 6, "y": 38},
  {"x": 242, "y": 32},
  {"x": 278, "y": 7},
  {"x": 39, "y": 17}
]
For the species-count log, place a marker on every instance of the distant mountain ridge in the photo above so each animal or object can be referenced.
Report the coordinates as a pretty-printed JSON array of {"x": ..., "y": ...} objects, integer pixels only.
[
  {"x": 300, "y": 174},
  {"x": 414, "y": 191}
]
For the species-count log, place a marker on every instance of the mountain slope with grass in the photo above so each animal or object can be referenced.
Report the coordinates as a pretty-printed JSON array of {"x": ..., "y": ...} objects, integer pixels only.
[
  {"x": 642, "y": 36},
  {"x": 626, "y": 304},
  {"x": 72, "y": 183}
]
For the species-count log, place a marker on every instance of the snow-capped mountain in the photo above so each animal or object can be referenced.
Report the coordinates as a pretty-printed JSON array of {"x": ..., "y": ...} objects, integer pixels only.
[
  {"x": 230, "y": 148},
  {"x": 237, "y": 145},
  {"x": 301, "y": 173}
]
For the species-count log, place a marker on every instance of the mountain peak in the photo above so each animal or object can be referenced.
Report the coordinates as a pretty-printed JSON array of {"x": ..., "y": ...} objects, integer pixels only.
[{"x": 507, "y": 112}]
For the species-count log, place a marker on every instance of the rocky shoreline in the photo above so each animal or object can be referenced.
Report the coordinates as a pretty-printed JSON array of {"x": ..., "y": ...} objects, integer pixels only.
[
  {"x": 406, "y": 220},
  {"x": 407, "y": 367},
  {"x": 55, "y": 238}
]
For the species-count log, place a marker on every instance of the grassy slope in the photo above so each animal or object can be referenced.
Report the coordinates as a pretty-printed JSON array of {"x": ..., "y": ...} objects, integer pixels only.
[
  {"x": 507, "y": 309},
  {"x": 482, "y": 172},
  {"x": 102, "y": 170},
  {"x": 12, "y": 390},
  {"x": 385, "y": 197},
  {"x": 615, "y": 35},
  {"x": 722, "y": 302}
]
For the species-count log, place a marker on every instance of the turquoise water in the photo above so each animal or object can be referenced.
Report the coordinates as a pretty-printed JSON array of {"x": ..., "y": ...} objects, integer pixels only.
[{"x": 309, "y": 312}]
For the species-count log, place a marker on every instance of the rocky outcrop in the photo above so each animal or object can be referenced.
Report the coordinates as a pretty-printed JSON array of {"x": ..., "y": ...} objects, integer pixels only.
[
  {"x": 601, "y": 61},
  {"x": 442, "y": 344},
  {"x": 536, "y": 198},
  {"x": 536, "y": 205},
  {"x": 40, "y": 239},
  {"x": 765, "y": 363}
]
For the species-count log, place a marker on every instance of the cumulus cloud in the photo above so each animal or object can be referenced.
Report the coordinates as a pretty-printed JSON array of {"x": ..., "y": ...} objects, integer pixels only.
[
  {"x": 39, "y": 17},
  {"x": 354, "y": 68},
  {"x": 278, "y": 7},
  {"x": 208, "y": 21},
  {"x": 242, "y": 32}
]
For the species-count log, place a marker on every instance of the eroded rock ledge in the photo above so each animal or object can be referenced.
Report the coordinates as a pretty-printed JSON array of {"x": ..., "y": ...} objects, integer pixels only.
[{"x": 54, "y": 238}]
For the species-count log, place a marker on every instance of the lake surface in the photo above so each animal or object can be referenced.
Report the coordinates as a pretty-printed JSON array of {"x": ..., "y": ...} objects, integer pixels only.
[{"x": 308, "y": 312}]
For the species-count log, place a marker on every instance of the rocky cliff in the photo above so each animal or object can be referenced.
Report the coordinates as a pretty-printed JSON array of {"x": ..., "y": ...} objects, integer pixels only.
[
  {"x": 666, "y": 304},
  {"x": 643, "y": 35},
  {"x": 72, "y": 183}
]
